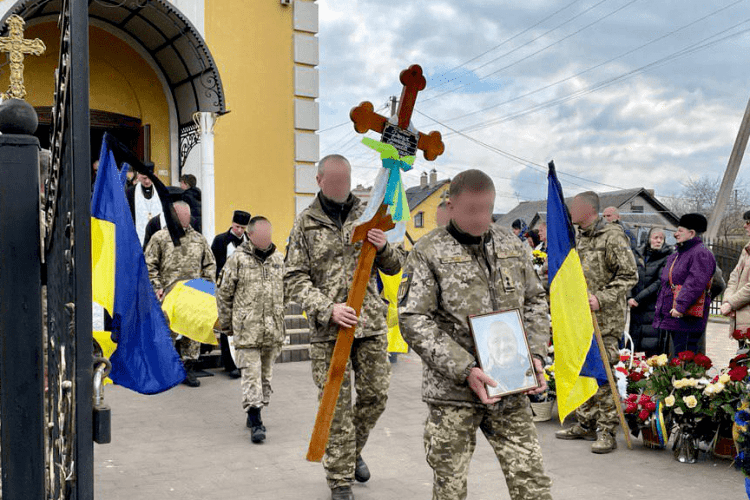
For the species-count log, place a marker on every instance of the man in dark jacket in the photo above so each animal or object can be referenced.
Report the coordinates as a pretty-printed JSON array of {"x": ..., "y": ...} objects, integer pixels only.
[
  {"x": 223, "y": 246},
  {"x": 192, "y": 197}
]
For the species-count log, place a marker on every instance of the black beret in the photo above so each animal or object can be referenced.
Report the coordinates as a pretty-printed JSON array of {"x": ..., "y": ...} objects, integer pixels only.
[{"x": 696, "y": 222}]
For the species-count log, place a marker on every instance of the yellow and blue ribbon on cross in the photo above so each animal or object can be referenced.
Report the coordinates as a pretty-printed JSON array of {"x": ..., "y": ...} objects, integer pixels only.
[{"x": 395, "y": 194}]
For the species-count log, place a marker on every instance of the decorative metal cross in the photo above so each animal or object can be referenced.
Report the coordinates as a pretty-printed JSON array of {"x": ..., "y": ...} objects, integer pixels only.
[
  {"x": 17, "y": 46},
  {"x": 406, "y": 144},
  {"x": 405, "y": 141}
]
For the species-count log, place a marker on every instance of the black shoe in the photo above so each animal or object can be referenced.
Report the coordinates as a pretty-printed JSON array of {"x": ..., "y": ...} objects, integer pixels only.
[
  {"x": 258, "y": 434},
  {"x": 361, "y": 472},
  {"x": 253, "y": 417},
  {"x": 190, "y": 379},
  {"x": 342, "y": 493},
  {"x": 234, "y": 373}
]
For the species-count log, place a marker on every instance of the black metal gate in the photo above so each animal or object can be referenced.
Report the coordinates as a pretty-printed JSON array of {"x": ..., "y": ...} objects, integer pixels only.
[{"x": 67, "y": 250}]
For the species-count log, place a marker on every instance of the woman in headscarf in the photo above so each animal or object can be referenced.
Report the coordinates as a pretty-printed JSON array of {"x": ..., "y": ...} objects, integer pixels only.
[
  {"x": 736, "y": 302},
  {"x": 650, "y": 259},
  {"x": 685, "y": 280}
]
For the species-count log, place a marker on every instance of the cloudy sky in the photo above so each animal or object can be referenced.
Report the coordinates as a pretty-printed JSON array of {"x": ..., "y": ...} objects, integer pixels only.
[{"x": 620, "y": 93}]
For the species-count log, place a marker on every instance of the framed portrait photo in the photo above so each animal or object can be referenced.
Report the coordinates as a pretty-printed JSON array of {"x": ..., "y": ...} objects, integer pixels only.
[{"x": 503, "y": 351}]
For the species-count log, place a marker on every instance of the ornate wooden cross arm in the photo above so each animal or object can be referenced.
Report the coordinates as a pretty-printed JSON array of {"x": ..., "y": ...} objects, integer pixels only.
[
  {"x": 406, "y": 142},
  {"x": 343, "y": 347}
]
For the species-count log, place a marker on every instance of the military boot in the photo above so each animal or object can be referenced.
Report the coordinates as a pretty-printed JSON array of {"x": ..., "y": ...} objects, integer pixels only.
[
  {"x": 342, "y": 493},
  {"x": 257, "y": 430},
  {"x": 191, "y": 380},
  {"x": 577, "y": 432},
  {"x": 361, "y": 472},
  {"x": 605, "y": 443}
]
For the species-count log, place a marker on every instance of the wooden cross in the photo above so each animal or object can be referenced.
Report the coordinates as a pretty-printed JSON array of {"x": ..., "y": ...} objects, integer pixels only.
[
  {"x": 17, "y": 46},
  {"x": 405, "y": 141}
]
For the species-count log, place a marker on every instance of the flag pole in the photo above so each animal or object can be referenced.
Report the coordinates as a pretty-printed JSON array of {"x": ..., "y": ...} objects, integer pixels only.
[{"x": 611, "y": 379}]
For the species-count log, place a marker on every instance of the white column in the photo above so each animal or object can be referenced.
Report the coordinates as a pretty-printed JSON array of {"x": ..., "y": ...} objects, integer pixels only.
[{"x": 206, "y": 123}]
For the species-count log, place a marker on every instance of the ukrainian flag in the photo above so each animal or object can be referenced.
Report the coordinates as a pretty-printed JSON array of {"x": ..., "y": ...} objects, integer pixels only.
[
  {"x": 578, "y": 365},
  {"x": 144, "y": 358},
  {"x": 191, "y": 309}
]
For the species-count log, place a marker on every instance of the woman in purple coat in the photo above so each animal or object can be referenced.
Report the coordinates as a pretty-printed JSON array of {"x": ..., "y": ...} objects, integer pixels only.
[{"x": 692, "y": 267}]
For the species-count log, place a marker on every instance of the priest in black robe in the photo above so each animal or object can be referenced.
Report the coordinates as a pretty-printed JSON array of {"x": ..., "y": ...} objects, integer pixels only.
[{"x": 223, "y": 246}]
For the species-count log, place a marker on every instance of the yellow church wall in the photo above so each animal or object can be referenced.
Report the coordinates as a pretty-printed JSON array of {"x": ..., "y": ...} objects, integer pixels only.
[
  {"x": 121, "y": 81},
  {"x": 254, "y": 143},
  {"x": 429, "y": 207}
]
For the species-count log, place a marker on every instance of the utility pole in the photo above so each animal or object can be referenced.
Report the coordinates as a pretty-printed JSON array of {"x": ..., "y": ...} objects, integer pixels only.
[
  {"x": 730, "y": 175},
  {"x": 394, "y": 105}
]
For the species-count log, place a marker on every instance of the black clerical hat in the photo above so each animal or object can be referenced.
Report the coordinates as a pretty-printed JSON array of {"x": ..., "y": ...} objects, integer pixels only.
[{"x": 241, "y": 218}]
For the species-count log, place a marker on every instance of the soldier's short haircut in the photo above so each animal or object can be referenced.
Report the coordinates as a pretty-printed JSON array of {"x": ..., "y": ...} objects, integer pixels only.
[
  {"x": 472, "y": 180},
  {"x": 255, "y": 220},
  {"x": 190, "y": 180},
  {"x": 323, "y": 161},
  {"x": 590, "y": 198},
  {"x": 181, "y": 203}
]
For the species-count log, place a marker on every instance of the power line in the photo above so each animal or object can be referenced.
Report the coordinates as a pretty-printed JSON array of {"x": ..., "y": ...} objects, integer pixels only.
[
  {"x": 538, "y": 51},
  {"x": 598, "y": 65},
  {"x": 700, "y": 45},
  {"x": 500, "y": 45},
  {"x": 334, "y": 127},
  {"x": 518, "y": 159}
]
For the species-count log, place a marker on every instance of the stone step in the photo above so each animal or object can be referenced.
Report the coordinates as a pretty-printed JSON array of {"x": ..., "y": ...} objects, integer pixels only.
[{"x": 294, "y": 352}]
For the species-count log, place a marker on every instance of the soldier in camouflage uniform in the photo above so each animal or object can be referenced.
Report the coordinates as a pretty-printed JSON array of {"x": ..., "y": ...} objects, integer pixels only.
[
  {"x": 168, "y": 264},
  {"x": 471, "y": 267},
  {"x": 250, "y": 300},
  {"x": 320, "y": 265},
  {"x": 610, "y": 271}
]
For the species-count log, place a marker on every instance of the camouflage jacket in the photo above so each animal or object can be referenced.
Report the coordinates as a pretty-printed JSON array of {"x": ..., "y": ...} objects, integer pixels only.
[
  {"x": 250, "y": 298},
  {"x": 168, "y": 264},
  {"x": 446, "y": 282},
  {"x": 319, "y": 269},
  {"x": 610, "y": 271}
]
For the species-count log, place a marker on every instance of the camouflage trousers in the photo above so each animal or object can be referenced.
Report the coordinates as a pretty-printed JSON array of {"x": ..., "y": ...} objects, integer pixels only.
[
  {"x": 352, "y": 424},
  {"x": 256, "y": 366},
  {"x": 450, "y": 436},
  {"x": 599, "y": 411},
  {"x": 188, "y": 349}
]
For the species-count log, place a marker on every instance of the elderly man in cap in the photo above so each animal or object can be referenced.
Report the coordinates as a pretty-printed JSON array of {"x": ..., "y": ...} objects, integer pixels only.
[
  {"x": 223, "y": 246},
  {"x": 685, "y": 282}
]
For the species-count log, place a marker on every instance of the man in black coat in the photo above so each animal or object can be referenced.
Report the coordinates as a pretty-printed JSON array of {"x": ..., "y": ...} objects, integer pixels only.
[
  {"x": 192, "y": 196},
  {"x": 223, "y": 246}
]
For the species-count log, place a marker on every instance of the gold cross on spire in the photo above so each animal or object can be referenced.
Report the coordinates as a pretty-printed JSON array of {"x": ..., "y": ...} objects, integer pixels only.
[{"x": 17, "y": 47}]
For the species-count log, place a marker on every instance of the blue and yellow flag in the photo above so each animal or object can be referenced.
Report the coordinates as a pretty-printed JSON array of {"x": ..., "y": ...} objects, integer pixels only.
[
  {"x": 191, "y": 309},
  {"x": 144, "y": 358},
  {"x": 578, "y": 365}
]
